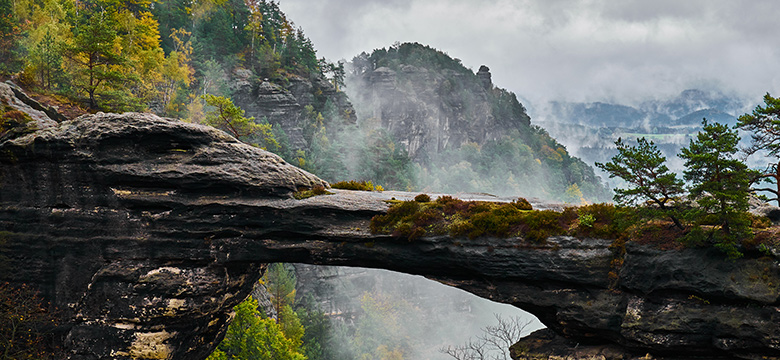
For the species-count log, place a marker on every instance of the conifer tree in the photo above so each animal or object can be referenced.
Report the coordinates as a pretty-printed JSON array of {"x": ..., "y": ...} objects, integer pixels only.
[
  {"x": 252, "y": 337},
  {"x": 720, "y": 183},
  {"x": 95, "y": 54},
  {"x": 764, "y": 123},
  {"x": 644, "y": 170}
]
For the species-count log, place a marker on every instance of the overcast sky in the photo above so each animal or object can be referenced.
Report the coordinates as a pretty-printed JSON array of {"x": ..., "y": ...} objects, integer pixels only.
[{"x": 622, "y": 50}]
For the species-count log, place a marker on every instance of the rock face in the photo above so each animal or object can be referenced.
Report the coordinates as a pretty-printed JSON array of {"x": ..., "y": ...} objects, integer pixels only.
[
  {"x": 429, "y": 111},
  {"x": 284, "y": 106},
  {"x": 145, "y": 231},
  {"x": 43, "y": 116}
]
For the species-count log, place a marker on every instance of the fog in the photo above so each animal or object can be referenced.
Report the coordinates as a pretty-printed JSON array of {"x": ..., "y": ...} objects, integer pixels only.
[
  {"x": 369, "y": 308},
  {"x": 623, "y": 52}
]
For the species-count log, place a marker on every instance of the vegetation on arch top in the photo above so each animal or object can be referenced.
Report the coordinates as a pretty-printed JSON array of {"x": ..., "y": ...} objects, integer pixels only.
[{"x": 715, "y": 210}]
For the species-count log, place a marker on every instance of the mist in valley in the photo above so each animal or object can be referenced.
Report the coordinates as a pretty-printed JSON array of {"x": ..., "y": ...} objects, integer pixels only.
[{"x": 378, "y": 312}]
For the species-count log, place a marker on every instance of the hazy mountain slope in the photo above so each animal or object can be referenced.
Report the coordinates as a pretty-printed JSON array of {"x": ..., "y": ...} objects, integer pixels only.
[{"x": 463, "y": 133}]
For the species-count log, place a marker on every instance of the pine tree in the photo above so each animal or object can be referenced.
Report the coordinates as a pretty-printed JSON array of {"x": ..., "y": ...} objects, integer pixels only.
[
  {"x": 720, "y": 183},
  {"x": 764, "y": 123},
  {"x": 252, "y": 337},
  {"x": 95, "y": 54},
  {"x": 644, "y": 170},
  {"x": 280, "y": 283}
]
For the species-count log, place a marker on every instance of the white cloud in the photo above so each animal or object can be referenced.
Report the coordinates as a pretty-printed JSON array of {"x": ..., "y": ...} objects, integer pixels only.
[{"x": 569, "y": 49}]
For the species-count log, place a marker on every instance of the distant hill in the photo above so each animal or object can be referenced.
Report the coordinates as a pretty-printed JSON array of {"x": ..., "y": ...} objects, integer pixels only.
[
  {"x": 589, "y": 130},
  {"x": 463, "y": 133}
]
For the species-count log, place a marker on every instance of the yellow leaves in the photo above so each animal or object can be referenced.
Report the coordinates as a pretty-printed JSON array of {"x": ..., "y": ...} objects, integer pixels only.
[{"x": 573, "y": 195}]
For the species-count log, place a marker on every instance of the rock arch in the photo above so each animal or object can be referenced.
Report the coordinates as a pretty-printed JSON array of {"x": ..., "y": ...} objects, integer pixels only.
[{"x": 145, "y": 231}]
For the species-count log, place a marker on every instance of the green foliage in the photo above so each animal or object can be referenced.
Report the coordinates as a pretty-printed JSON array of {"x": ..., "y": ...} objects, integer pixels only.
[
  {"x": 417, "y": 55},
  {"x": 381, "y": 333},
  {"x": 422, "y": 198},
  {"x": 522, "y": 204},
  {"x": 95, "y": 55},
  {"x": 317, "y": 337},
  {"x": 252, "y": 337},
  {"x": 354, "y": 185},
  {"x": 519, "y": 163},
  {"x": 386, "y": 162},
  {"x": 10, "y": 33},
  {"x": 764, "y": 124},
  {"x": 573, "y": 195},
  {"x": 315, "y": 191},
  {"x": 230, "y": 118},
  {"x": 719, "y": 184},
  {"x": 586, "y": 220},
  {"x": 280, "y": 282},
  {"x": 643, "y": 169},
  {"x": 446, "y": 215},
  {"x": 604, "y": 221},
  {"x": 46, "y": 57}
]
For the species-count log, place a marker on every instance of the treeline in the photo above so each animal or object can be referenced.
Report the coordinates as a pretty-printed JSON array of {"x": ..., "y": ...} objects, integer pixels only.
[{"x": 148, "y": 55}]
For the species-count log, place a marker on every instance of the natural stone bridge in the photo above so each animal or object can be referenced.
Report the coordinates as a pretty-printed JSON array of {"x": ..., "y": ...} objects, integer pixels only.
[{"x": 145, "y": 232}]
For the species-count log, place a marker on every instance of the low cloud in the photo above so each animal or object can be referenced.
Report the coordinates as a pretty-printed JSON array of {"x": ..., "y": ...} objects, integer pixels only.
[{"x": 572, "y": 50}]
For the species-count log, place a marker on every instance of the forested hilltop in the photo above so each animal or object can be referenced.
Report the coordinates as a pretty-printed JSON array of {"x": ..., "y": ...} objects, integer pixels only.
[{"x": 462, "y": 132}]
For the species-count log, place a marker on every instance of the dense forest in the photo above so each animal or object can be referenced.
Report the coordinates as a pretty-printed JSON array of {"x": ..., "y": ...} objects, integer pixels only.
[{"x": 144, "y": 55}]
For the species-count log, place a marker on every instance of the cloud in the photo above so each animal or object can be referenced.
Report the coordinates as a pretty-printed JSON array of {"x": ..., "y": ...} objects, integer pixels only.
[{"x": 584, "y": 50}]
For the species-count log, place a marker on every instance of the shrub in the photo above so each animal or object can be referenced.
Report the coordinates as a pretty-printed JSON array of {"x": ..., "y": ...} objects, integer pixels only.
[
  {"x": 354, "y": 185},
  {"x": 759, "y": 222},
  {"x": 316, "y": 190},
  {"x": 537, "y": 226},
  {"x": 522, "y": 204},
  {"x": 422, "y": 198}
]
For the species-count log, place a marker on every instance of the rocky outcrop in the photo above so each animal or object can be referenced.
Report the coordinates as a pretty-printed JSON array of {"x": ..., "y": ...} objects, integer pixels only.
[
  {"x": 145, "y": 232},
  {"x": 432, "y": 110},
  {"x": 485, "y": 78},
  {"x": 42, "y": 116},
  {"x": 284, "y": 105}
]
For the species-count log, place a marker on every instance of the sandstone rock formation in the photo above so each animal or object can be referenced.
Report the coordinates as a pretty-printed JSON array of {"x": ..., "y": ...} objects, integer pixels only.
[
  {"x": 145, "y": 232},
  {"x": 43, "y": 116},
  {"x": 284, "y": 106},
  {"x": 430, "y": 111}
]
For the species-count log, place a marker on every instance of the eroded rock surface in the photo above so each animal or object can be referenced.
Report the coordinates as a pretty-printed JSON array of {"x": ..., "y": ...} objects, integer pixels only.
[
  {"x": 284, "y": 106},
  {"x": 430, "y": 111},
  {"x": 145, "y": 232}
]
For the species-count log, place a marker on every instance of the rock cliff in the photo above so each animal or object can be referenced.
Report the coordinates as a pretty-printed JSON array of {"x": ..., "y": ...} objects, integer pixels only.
[
  {"x": 429, "y": 107},
  {"x": 145, "y": 232},
  {"x": 284, "y": 105}
]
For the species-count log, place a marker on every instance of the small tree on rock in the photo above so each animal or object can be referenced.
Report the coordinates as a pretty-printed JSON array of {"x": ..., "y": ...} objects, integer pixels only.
[
  {"x": 720, "y": 184},
  {"x": 648, "y": 178},
  {"x": 230, "y": 118},
  {"x": 764, "y": 123}
]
